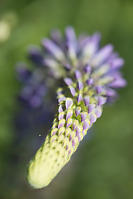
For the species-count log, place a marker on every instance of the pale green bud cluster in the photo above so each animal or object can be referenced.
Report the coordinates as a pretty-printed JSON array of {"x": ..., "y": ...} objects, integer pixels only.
[{"x": 69, "y": 127}]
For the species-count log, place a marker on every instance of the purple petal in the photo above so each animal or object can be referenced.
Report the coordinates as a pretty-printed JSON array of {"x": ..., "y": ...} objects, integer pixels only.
[
  {"x": 70, "y": 34},
  {"x": 69, "y": 122},
  {"x": 86, "y": 100},
  {"x": 69, "y": 103},
  {"x": 86, "y": 125},
  {"x": 75, "y": 126},
  {"x": 56, "y": 36},
  {"x": 102, "y": 55},
  {"x": 54, "y": 131},
  {"x": 61, "y": 123},
  {"x": 73, "y": 143},
  {"x": 118, "y": 83},
  {"x": 87, "y": 69},
  {"x": 92, "y": 118},
  {"x": 52, "y": 48},
  {"x": 91, "y": 45},
  {"x": 110, "y": 92},
  {"x": 91, "y": 108},
  {"x": 72, "y": 90},
  {"x": 90, "y": 82},
  {"x": 79, "y": 99},
  {"x": 61, "y": 116},
  {"x": 78, "y": 134},
  {"x": 69, "y": 114},
  {"x": 78, "y": 74},
  {"x": 61, "y": 99},
  {"x": 35, "y": 55},
  {"x": 71, "y": 37},
  {"x": 117, "y": 63},
  {"x": 68, "y": 81},
  {"x": 60, "y": 109},
  {"x": 71, "y": 42},
  {"x": 84, "y": 116},
  {"x": 77, "y": 111},
  {"x": 99, "y": 89},
  {"x": 98, "y": 111},
  {"x": 24, "y": 74},
  {"x": 101, "y": 100},
  {"x": 80, "y": 85},
  {"x": 83, "y": 40}
]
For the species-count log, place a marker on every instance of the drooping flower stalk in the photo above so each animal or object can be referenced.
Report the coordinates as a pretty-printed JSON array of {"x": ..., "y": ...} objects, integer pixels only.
[{"x": 90, "y": 75}]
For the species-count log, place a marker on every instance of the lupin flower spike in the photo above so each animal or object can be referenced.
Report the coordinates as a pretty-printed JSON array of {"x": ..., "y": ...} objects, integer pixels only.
[{"x": 91, "y": 75}]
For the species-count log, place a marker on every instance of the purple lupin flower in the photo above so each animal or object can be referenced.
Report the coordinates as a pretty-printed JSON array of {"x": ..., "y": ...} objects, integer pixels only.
[{"x": 91, "y": 75}]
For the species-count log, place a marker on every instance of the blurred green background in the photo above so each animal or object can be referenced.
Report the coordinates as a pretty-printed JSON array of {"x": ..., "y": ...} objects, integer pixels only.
[{"x": 102, "y": 168}]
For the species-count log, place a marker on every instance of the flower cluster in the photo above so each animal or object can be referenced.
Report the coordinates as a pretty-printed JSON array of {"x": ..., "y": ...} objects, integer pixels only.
[
  {"x": 35, "y": 95},
  {"x": 34, "y": 88},
  {"x": 90, "y": 76}
]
